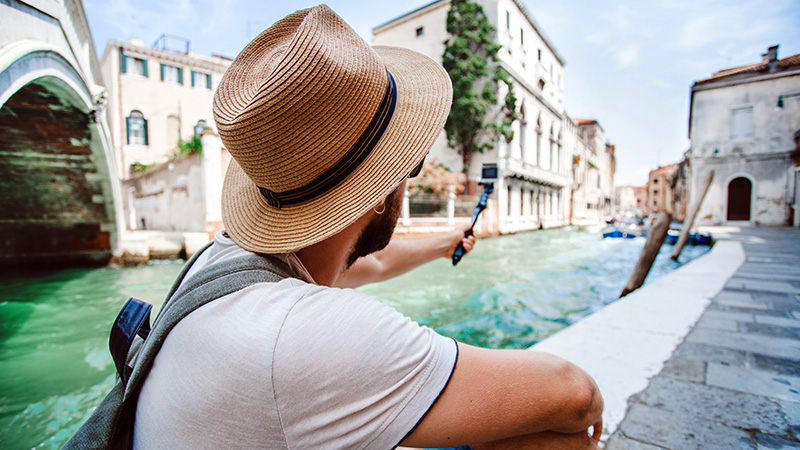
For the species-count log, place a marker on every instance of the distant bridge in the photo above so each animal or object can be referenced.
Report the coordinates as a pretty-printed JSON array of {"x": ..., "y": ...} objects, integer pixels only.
[{"x": 59, "y": 193}]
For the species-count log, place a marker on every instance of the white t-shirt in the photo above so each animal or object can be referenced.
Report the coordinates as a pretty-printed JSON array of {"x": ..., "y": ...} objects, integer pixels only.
[{"x": 290, "y": 365}]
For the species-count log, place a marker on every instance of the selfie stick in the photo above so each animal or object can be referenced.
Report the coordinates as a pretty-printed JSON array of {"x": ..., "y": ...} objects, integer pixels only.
[{"x": 488, "y": 189}]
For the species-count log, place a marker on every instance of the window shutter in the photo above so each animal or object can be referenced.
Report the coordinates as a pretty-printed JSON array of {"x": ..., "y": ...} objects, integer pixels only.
[
  {"x": 208, "y": 81},
  {"x": 146, "y": 140},
  {"x": 193, "y": 76},
  {"x": 162, "y": 72},
  {"x": 180, "y": 75},
  {"x": 127, "y": 130},
  {"x": 144, "y": 64},
  {"x": 122, "y": 62}
]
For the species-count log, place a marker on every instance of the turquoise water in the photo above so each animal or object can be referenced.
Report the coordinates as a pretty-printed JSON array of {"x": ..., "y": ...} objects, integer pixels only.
[{"x": 510, "y": 292}]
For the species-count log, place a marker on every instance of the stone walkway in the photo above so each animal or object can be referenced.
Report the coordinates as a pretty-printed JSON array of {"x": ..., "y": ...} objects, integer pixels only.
[{"x": 734, "y": 382}]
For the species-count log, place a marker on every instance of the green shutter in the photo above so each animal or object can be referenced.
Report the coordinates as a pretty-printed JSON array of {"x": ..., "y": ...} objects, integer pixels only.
[
  {"x": 144, "y": 62},
  {"x": 162, "y": 72},
  {"x": 146, "y": 140},
  {"x": 208, "y": 81},
  {"x": 180, "y": 75},
  {"x": 127, "y": 130},
  {"x": 122, "y": 63},
  {"x": 193, "y": 72}
]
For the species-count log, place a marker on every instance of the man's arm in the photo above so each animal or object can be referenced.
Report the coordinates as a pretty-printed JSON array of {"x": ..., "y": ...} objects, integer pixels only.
[
  {"x": 512, "y": 395},
  {"x": 400, "y": 256}
]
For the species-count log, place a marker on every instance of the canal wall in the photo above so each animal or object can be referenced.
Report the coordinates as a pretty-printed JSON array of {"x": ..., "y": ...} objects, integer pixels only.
[{"x": 626, "y": 343}]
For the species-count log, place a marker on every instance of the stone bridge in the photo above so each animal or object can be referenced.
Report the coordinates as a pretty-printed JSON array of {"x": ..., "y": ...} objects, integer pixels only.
[{"x": 60, "y": 202}]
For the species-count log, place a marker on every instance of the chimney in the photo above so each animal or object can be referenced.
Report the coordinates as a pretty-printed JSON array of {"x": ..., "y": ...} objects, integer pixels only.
[{"x": 771, "y": 58}]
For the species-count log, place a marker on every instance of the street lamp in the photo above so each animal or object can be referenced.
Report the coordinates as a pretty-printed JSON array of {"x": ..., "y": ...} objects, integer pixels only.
[{"x": 779, "y": 106}]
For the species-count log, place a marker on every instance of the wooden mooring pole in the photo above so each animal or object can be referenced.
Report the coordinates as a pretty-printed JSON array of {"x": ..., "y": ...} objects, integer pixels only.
[
  {"x": 655, "y": 238},
  {"x": 689, "y": 222}
]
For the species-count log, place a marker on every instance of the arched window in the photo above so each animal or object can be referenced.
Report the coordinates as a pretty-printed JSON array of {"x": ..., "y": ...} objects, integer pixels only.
[
  {"x": 523, "y": 131},
  {"x": 539, "y": 141},
  {"x": 552, "y": 149},
  {"x": 136, "y": 126},
  {"x": 558, "y": 152}
]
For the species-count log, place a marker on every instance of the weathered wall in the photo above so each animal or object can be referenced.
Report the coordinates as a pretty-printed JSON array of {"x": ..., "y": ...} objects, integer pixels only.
[
  {"x": 53, "y": 210},
  {"x": 169, "y": 197}
]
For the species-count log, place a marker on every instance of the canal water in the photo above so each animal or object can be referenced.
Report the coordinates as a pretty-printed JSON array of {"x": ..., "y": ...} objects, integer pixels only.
[{"x": 510, "y": 292}]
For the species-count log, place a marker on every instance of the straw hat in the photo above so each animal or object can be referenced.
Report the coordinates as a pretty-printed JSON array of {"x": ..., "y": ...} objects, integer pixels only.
[{"x": 321, "y": 127}]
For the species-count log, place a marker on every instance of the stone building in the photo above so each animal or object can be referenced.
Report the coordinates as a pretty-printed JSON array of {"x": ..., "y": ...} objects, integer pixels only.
[
  {"x": 593, "y": 166},
  {"x": 742, "y": 123},
  {"x": 61, "y": 202},
  {"x": 660, "y": 192},
  {"x": 156, "y": 97},
  {"x": 535, "y": 186},
  {"x": 630, "y": 201}
]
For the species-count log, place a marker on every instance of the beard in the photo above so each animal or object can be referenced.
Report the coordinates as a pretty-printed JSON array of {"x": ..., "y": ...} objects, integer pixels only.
[{"x": 378, "y": 232}]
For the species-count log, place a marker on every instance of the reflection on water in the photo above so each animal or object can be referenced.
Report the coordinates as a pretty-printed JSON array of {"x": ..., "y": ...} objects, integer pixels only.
[{"x": 510, "y": 292}]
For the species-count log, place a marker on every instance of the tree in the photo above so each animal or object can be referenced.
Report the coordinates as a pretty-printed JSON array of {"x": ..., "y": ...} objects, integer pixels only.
[{"x": 476, "y": 120}]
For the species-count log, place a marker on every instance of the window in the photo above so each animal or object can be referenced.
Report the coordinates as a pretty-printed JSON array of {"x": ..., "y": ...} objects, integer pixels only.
[
  {"x": 171, "y": 74},
  {"x": 136, "y": 126},
  {"x": 655, "y": 180},
  {"x": 419, "y": 31},
  {"x": 508, "y": 21},
  {"x": 200, "y": 79},
  {"x": 541, "y": 84},
  {"x": 742, "y": 123},
  {"x": 540, "y": 54},
  {"x": 521, "y": 36},
  {"x": 133, "y": 65}
]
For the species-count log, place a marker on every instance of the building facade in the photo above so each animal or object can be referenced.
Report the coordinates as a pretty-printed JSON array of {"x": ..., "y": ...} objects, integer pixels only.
[
  {"x": 593, "y": 172},
  {"x": 742, "y": 125},
  {"x": 536, "y": 180},
  {"x": 630, "y": 201},
  {"x": 157, "y": 97}
]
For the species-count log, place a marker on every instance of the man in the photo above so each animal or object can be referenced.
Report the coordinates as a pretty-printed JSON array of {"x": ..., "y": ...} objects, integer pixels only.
[{"x": 324, "y": 131}]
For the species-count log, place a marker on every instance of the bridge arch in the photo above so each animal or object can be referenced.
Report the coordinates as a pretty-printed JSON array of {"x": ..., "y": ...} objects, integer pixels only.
[{"x": 61, "y": 202}]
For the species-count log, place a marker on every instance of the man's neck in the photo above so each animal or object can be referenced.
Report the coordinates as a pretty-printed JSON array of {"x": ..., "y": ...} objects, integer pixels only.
[{"x": 326, "y": 260}]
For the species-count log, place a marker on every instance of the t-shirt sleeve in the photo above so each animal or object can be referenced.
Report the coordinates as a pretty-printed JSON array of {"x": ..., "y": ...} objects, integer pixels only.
[{"x": 351, "y": 372}]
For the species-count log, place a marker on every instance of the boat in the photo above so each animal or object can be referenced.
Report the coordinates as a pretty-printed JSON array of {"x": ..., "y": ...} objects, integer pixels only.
[
  {"x": 695, "y": 237},
  {"x": 619, "y": 233}
]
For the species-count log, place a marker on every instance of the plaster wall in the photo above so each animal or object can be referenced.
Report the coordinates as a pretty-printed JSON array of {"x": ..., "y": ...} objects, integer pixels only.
[
  {"x": 762, "y": 158},
  {"x": 169, "y": 197}
]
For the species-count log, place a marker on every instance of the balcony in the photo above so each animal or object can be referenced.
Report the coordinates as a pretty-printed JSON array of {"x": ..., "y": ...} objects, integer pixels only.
[{"x": 516, "y": 167}]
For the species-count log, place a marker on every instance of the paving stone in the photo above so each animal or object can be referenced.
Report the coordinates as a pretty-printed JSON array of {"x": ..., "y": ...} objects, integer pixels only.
[
  {"x": 619, "y": 442},
  {"x": 729, "y": 315},
  {"x": 729, "y": 408},
  {"x": 767, "y": 442},
  {"x": 710, "y": 353},
  {"x": 771, "y": 330},
  {"x": 717, "y": 324},
  {"x": 738, "y": 299},
  {"x": 767, "y": 345},
  {"x": 763, "y": 310},
  {"x": 769, "y": 384},
  {"x": 772, "y": 364},
  {"x": 791, "y": 411},
  {"x": 779, "y": 321},
  {"x": 684, "y": 369},
  {"x": 777, "y": 301},
  {"x": 659, "y": 427}
]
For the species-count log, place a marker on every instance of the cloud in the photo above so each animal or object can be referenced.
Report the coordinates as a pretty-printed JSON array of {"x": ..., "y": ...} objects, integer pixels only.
[{"x": 628, "y": 55}]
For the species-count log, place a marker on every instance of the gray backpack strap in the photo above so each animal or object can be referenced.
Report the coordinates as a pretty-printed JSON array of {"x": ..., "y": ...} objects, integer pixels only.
[{"x": 207, "y": 285}]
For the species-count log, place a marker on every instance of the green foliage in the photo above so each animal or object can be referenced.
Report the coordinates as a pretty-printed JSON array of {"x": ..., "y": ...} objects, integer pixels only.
[
  {"x": 191, "y": 147},
  {"x": 138, "y": 167},
  {"x": 470, "y": 57}
]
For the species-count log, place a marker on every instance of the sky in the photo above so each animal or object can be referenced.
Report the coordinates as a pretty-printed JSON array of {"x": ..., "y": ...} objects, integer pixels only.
[{"x": 629, "y": 64}]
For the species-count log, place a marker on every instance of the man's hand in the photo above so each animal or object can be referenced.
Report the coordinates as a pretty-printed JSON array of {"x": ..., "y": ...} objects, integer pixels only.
[{"x": 457, "y": 236}]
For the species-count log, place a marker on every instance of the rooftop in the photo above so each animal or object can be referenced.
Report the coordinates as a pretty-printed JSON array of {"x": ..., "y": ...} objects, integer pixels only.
[{"x": 769, "y": 64}]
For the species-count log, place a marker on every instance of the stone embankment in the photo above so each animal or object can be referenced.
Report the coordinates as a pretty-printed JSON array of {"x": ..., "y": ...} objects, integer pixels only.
[
  {"x": 139, "y": 247},
  {"x": 707, "y": 357}
]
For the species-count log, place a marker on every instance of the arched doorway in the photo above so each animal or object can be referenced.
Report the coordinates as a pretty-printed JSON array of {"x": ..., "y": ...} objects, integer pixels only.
[{"x": 739, "y": 195}]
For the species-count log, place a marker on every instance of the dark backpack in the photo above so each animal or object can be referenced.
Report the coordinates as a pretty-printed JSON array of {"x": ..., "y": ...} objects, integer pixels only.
[{"x": 134, "y": 344}]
